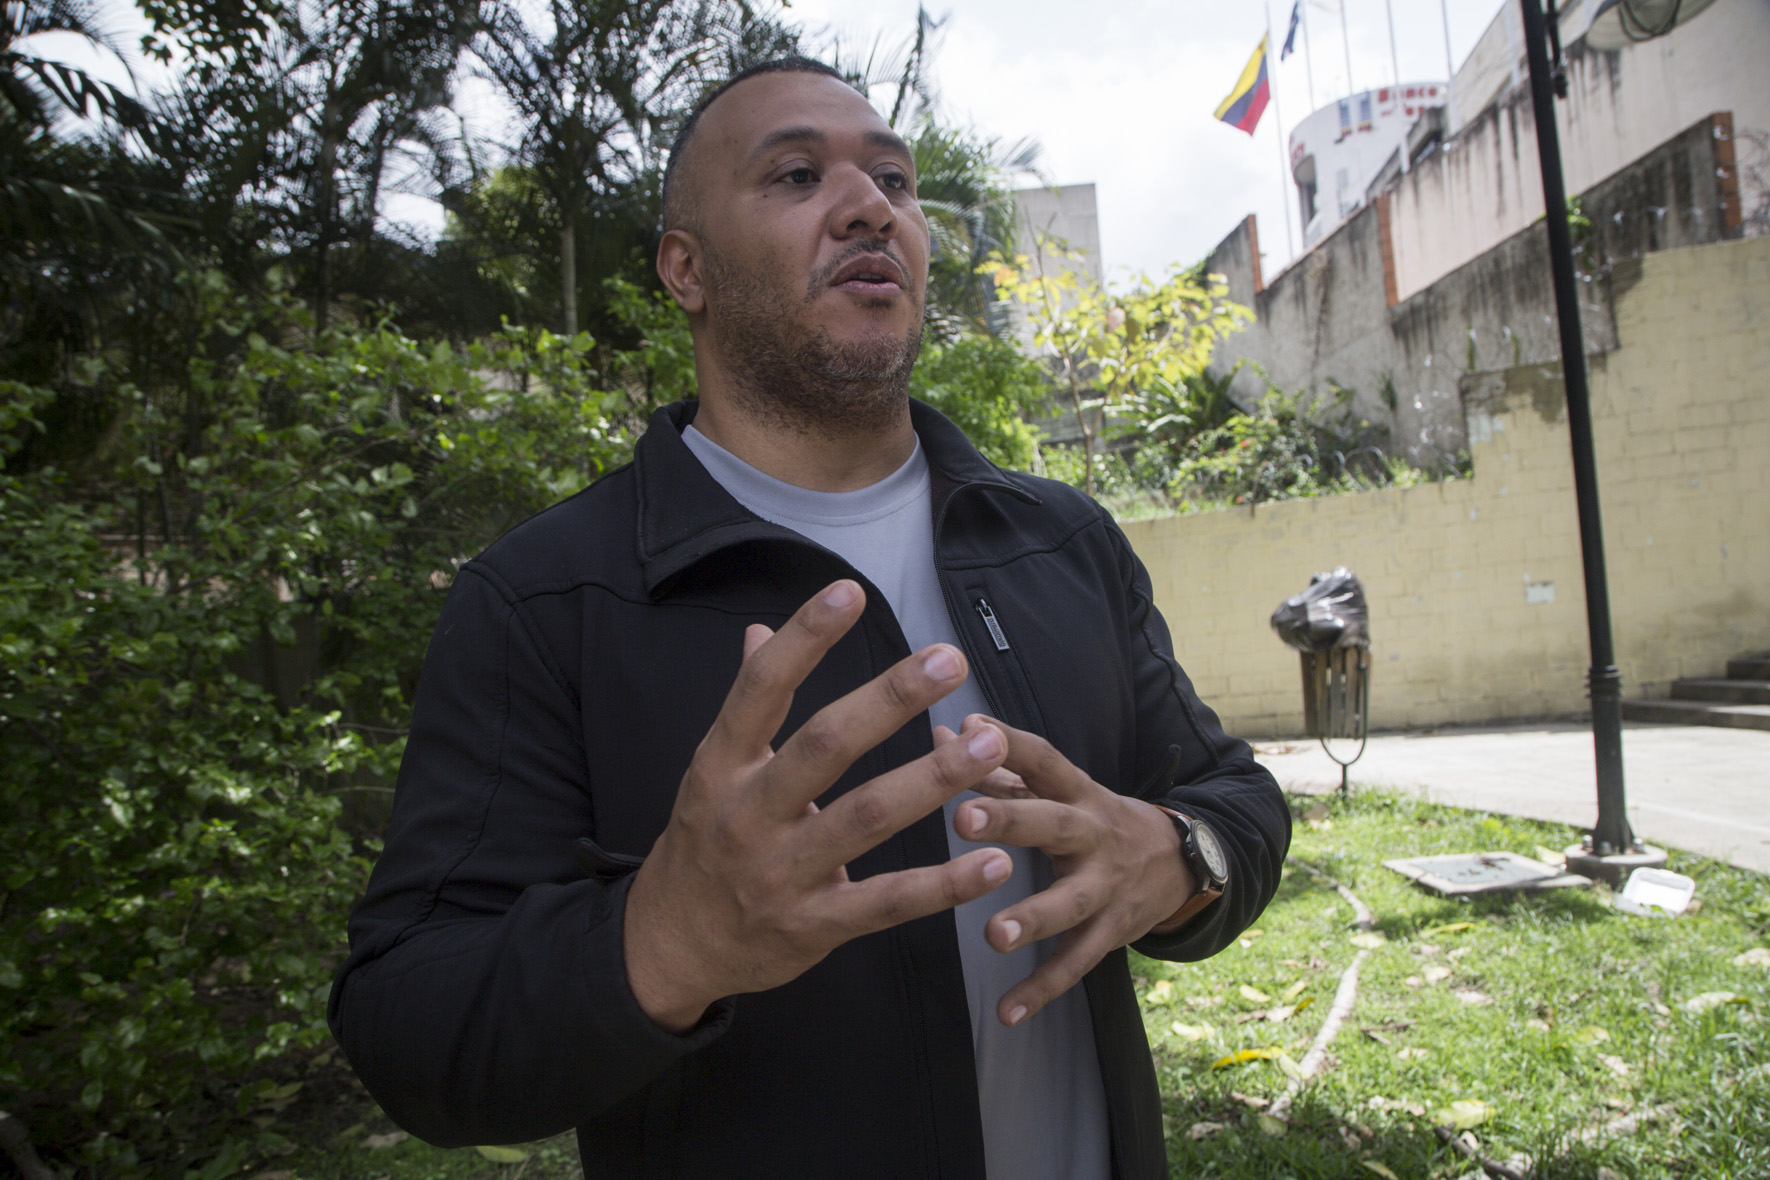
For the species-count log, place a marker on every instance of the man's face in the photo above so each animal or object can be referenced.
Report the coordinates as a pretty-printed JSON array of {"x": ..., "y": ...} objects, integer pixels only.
[{"x": 812, "y": 247}]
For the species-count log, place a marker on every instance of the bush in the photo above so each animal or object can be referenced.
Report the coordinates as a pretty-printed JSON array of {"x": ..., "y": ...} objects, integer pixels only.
[
  {"x": 1278, "y": 452},
  {"x": 208, "y": 641},
  {"x": 988, "y": 388}
]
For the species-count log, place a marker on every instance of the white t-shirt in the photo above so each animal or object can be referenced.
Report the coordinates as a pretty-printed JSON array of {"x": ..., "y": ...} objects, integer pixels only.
[{"x": 1042, "y": 1103}]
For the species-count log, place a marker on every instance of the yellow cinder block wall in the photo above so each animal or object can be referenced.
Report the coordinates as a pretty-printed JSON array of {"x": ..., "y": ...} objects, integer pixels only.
[{"x": 1681, "y": 419}]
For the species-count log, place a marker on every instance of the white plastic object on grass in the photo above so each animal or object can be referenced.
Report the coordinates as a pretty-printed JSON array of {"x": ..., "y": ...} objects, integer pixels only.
[{"x": 1656, "y": 893}]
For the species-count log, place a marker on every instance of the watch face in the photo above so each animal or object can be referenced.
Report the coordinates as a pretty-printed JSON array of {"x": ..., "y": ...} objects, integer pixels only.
[{"x": 1205, "y": 840}]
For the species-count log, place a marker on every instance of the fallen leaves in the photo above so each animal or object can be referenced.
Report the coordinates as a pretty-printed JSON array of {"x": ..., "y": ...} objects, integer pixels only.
[
  {"x": 1191, "y": 1032},
  {"x": 1267, "y": 1053},
  {"x": 1708, "y": 1001},
  {"x": 503, "y": 1155},
  {"x": 1615, "y": 1065},
  {"x": 1472, "y": 996},
  {"x": 1451, "y": 928},
  {"x": 1758, "y": 956},
  {"x": 390, "y": 1139},
  {"x": 1463, "y": 1114},
  {"x": 1162, "y": 992},
  {"x": 1370, "y": 940},
  {"x": 1284, "y": 1012},
  {"x": 1254, "y": 995},
  {"x": 1435, "y": 973},
  {"x": 1201, "y": 1130},
  {"x": 1379, "y": 1169}
]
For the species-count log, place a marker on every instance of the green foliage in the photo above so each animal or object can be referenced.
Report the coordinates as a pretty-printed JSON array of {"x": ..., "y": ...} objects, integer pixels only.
[
  {"x": 208, "y": 642},
  {"x": 988, "y": 388},
  {"x": 1280, "y": 452},
  {"x": 1114, "y": 347},
  {"x": 1131, "y": 484},
  {"x": 653, "y": 363}
]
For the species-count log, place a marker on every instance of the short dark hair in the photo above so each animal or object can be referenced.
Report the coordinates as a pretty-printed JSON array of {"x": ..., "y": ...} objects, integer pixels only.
[{"x": 791, "y": 63}]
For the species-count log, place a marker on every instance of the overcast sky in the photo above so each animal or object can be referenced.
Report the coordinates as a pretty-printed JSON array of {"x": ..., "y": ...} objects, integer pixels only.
[{"x": 1120, "y": 94}]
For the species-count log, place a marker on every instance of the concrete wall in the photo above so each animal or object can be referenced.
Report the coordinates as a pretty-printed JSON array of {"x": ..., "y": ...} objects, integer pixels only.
[
  {"x": 1477, "y": 601},
  {"x": 1486, "y": 185},
  {"x": 1338, "y": 315}
]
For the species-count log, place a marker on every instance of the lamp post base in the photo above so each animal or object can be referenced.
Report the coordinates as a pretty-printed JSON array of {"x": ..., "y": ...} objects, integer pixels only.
[{"x": 1615, "y": 868}]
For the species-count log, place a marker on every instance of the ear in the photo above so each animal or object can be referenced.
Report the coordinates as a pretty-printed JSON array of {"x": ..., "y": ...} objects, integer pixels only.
[{"x": 679, "y": 266}]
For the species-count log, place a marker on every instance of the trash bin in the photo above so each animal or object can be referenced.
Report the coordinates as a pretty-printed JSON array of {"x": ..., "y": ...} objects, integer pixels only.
[{"x": 1330, "y": 626}]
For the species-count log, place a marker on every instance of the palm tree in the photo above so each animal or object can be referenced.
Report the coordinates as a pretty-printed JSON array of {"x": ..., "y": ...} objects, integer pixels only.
[{"x": 596, "y": 86}]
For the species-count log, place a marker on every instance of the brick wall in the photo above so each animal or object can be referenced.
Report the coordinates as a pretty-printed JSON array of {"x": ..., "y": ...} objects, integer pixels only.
[{"x": 1459, "y": 573}]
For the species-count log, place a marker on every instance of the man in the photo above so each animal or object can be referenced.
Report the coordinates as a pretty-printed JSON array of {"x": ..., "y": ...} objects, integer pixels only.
[{"x": 684, "y": 850}]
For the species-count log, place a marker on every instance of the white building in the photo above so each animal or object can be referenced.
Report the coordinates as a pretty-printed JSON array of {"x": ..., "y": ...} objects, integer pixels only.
[{"x": 1340, "y": 149}]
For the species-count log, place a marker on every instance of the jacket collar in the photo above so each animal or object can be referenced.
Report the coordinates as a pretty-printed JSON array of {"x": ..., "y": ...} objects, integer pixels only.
[{"x": 685, "y": 515}]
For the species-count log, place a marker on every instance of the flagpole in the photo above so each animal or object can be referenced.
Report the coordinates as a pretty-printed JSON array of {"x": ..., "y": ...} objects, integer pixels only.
[
  {"x": 1450, "y": 69},
  {"x": 1308, "y": 61},
  {"x": 1346, "y": 44},
  {"x": 1284, "y": 188},
  {"x": 1394, "y": 58}
]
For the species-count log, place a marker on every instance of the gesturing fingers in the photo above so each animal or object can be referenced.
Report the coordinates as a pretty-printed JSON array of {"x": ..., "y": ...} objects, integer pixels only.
[
  {"x": 1043, "y": 768},
  {"x": 774, "y": 666},
  {"x": 833, "y": 737},
  {"x": 1057, "y": 829},
  {"x": 1074, "y": 957},
  {"x": 1000, "y": 783},
  {"x": 877, "y": 809},
  {"x": 887, "y": 899}
]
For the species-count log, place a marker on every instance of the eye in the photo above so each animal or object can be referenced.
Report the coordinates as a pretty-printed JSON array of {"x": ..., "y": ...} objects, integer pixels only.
[
  {"x": 800, "y": 175},
  {"x": 893, "y": 178}
]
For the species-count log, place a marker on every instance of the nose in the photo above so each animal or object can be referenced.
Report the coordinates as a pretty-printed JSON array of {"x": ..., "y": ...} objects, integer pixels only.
[{"x": 861, "y": 208}]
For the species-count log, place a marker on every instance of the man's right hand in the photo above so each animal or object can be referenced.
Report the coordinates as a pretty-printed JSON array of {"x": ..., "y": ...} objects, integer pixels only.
[{"x": 747, "y": 886}]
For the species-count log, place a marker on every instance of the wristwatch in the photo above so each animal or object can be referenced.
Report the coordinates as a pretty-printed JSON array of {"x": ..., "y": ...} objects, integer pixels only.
[{"x": 1205, "y": 857}]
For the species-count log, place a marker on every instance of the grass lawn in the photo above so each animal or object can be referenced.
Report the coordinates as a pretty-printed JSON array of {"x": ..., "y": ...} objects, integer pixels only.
[{"x": 1540, "y": 1024}]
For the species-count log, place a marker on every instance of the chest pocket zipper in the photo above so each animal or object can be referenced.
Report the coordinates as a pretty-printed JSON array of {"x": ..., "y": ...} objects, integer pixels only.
[
  {"x": 988, "y": 614},
  {"x": 1004, "y": 669}
]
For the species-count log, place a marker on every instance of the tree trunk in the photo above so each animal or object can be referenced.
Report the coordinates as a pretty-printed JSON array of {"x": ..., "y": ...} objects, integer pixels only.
[
  {"x": 568, "y": 273},
  {"x": 327, "y": 211},
  {"x": 1075, "y": 396}
]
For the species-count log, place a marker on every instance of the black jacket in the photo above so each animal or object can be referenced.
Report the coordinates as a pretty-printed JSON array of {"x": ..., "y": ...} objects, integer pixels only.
[{"x": 577, "y": 664}]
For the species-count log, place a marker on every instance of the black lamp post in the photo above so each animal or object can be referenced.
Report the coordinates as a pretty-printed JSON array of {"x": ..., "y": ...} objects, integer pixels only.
[{"x": 1613, "y": 849}]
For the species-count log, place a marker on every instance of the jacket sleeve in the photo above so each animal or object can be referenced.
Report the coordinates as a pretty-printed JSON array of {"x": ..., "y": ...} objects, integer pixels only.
[
  {"x": 1187, "y": 762},
  {"x": 485, "y": 997}
]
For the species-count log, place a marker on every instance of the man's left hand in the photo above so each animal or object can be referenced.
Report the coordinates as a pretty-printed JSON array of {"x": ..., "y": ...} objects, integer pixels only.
[{"x": 1120, "y": 871}]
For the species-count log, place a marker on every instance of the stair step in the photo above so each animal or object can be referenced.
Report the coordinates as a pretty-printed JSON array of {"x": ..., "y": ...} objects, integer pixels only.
[
  {"x": 1755, "y": 666},
  {"x": 1698, "y": 713},
  {"x": 1732, "y": 691}
]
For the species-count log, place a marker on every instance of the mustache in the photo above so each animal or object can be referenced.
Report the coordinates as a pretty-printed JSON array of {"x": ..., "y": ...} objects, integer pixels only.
[{"x": 870, "y": 246}]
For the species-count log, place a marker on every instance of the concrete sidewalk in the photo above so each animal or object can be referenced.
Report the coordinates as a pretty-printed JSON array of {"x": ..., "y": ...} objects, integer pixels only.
[{"x": 1699, "y": 788}]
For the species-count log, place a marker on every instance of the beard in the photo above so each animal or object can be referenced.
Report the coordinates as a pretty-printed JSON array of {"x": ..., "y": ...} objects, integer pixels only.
[{"x": 799, "y": 380}]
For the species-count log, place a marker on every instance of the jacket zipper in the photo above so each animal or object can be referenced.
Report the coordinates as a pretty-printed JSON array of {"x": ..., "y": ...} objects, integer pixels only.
[{"x": 988, "y": 615}]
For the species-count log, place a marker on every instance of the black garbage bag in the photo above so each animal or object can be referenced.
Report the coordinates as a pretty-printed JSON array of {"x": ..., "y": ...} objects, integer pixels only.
[{"x": 1328, "y": 615}]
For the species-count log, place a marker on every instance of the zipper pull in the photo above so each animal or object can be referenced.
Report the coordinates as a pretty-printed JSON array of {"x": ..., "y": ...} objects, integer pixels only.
[{"x": 989, "y": 620}]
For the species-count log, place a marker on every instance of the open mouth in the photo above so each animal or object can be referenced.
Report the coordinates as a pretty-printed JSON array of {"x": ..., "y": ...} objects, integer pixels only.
[{"x": 873, "y": 273}]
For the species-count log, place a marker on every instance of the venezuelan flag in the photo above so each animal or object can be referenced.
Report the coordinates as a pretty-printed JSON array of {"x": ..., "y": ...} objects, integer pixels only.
[{"x": 1247, "y": 102}]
